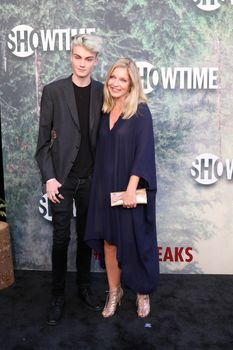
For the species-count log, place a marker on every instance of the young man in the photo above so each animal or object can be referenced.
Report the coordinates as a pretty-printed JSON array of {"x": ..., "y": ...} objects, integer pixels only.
[{"x": 69, "y": 121}]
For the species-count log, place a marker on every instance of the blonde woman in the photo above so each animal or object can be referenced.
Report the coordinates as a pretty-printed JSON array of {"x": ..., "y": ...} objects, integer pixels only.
[{"x": 125, "y": 161}]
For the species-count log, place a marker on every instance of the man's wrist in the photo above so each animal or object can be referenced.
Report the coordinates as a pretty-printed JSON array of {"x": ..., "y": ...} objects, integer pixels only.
[{"x": 50, "y": 180}]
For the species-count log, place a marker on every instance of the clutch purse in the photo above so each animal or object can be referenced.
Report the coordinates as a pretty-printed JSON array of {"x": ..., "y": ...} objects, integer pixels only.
[{"x": 116, "y": 197}]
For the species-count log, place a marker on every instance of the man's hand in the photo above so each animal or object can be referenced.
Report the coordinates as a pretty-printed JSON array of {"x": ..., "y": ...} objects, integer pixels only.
[{"x": 53, "y": 194}]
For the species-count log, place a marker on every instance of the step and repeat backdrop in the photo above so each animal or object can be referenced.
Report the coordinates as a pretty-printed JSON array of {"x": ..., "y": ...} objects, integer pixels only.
[{"x": 184, "y": 50}]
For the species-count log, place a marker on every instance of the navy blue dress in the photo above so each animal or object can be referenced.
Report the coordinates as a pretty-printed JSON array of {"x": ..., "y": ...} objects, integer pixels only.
[{"x": 127, "y": 149}]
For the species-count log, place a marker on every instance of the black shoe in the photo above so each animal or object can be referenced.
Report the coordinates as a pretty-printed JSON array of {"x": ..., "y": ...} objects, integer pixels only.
[
  {"x": 55, "y": 310},
  {"x": 89, "y": 299}
]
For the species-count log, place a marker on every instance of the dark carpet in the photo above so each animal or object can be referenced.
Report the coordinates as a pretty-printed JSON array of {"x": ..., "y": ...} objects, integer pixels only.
[{"x": 188, "y": 312}]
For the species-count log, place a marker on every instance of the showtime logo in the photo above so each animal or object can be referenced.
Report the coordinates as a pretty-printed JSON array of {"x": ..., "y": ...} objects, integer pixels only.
[
  {"x": 45, "y": 210},
  {"x": 205, "y": 78},
  {"x": 23, "y": 40},
  {"x": 207, "y": 169},
  {"x": 209, "y": 5}
]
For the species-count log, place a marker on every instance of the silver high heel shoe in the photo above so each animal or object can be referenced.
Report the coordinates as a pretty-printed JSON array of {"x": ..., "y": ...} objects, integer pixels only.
[
  {"x": 143, "y": 305},
  {"x": 114, "y": 297}
]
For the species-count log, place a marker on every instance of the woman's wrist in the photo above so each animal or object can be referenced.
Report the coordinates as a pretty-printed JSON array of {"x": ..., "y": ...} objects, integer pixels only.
[{"x": 133, "y": 184}]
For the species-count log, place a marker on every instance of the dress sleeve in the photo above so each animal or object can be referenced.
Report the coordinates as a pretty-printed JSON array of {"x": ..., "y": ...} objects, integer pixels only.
[{"x": 144, "y": 158}]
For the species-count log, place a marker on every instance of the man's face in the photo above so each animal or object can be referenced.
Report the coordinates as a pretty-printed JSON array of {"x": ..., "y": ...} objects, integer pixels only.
[{"x": 82, "y": 61}]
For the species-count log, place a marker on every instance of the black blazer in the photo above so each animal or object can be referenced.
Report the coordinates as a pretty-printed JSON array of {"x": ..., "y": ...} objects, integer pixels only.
[{"x": 59, "y": 131}]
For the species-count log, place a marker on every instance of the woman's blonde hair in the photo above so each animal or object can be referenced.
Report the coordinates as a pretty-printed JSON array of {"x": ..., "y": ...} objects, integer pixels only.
[{"x": 136, "y": 93}]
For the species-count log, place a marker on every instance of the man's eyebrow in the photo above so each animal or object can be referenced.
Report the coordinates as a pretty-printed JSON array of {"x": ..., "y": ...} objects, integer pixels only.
[{"x": 76, "y": 54}]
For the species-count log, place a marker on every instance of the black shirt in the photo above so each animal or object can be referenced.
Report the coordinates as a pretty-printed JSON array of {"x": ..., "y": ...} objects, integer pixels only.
[{"x": 83, "y": 165}]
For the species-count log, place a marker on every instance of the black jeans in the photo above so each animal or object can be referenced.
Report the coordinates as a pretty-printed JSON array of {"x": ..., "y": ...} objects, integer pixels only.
[{"x": 77, "y": 189}]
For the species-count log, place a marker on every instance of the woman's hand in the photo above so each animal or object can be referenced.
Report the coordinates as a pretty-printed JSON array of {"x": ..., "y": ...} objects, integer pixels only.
[{"x": 129, "y": 199}]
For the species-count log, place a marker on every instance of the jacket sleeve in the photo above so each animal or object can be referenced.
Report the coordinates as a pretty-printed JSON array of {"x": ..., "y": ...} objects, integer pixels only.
[
  {"x": 144, "y": 157},
  {"x": 43, "y": 153}
]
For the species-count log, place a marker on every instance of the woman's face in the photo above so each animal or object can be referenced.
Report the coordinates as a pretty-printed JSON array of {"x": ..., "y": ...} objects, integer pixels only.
[{"x": 119, "y": 83}]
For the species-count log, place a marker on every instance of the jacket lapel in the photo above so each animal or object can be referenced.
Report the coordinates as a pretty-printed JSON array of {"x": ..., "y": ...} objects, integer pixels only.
[{"x": 70, "y": 100}]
